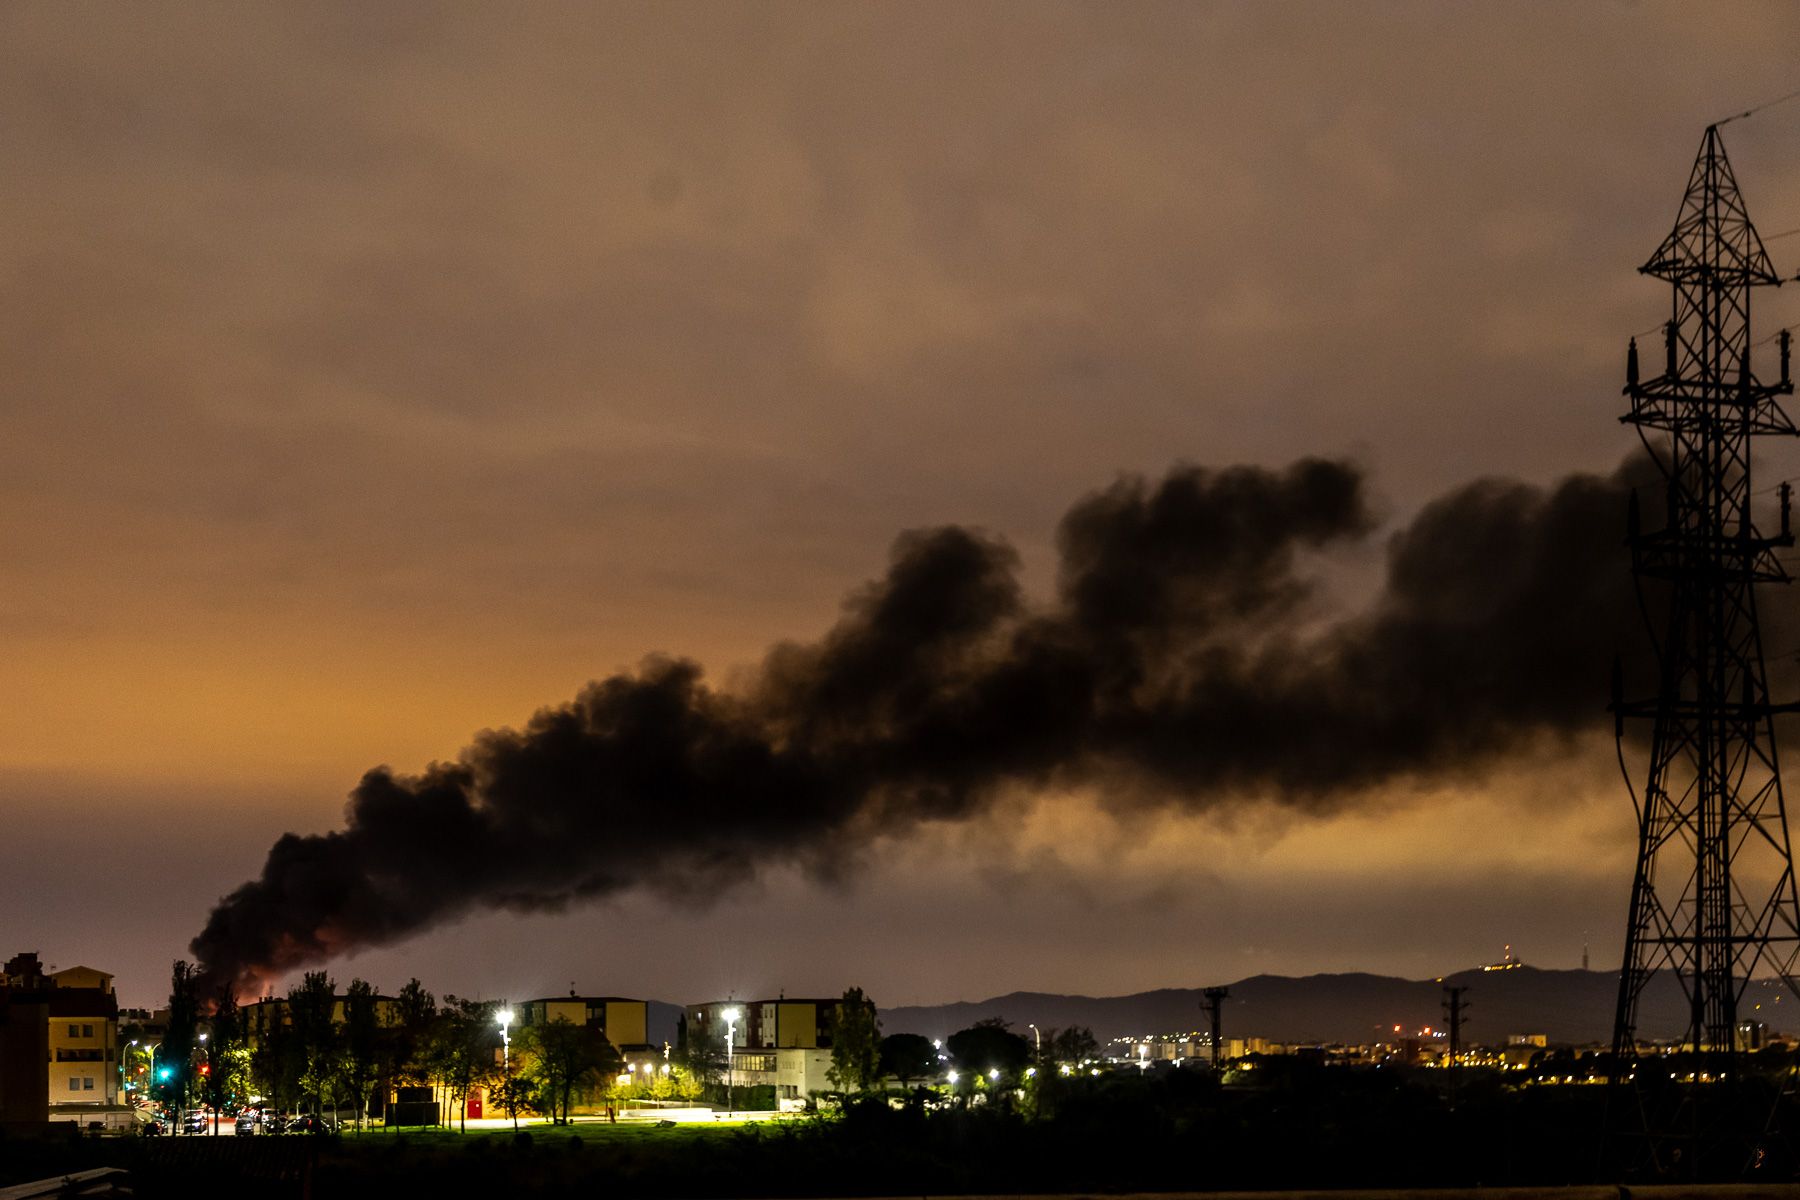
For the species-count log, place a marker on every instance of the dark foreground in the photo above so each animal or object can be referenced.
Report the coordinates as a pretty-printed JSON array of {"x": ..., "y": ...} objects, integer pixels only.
[{"x": 1179, "y": 1133}]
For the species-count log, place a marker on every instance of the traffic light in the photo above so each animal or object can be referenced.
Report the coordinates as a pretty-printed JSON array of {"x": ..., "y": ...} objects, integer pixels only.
[
  {"x": 164, "y": 1073},
  {"x": 206, "y": 1068}
]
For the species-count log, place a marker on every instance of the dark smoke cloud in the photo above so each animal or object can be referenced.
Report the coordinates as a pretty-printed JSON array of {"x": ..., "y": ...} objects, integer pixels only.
[{"x": 1180, "y": 662}]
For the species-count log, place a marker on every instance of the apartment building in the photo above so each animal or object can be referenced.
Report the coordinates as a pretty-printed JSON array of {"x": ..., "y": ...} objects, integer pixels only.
[
  {"x": 784, "y": 1043},
  {"x": 77, "y": 1055}
]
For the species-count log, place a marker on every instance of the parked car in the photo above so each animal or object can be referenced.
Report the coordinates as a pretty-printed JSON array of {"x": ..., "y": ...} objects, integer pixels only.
[
  {"x": 247, "y": 1123},
  {"x": 311, "y": 1123},
  {"x": 274, "y": 1122},
  {"x": 194, "y": 1121}
]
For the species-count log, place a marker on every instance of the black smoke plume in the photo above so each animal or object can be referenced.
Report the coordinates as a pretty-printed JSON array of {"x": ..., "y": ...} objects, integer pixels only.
[{"x": 1184, "y": 659}]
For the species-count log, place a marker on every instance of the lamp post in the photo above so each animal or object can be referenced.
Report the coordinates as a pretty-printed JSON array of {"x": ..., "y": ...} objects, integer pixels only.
[
  {"x": 731, "y": 1016},
  {"x": 505, "y": 1016}
]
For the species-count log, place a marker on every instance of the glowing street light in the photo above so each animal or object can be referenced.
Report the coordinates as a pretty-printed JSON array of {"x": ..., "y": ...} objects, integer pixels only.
[
  {"x": 731, "y": 1016},
  {"x": 505, "y": 1017}
]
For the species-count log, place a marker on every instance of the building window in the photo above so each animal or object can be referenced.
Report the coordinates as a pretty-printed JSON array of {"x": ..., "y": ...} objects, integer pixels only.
[
  {"x": 74, "y": 1084},
  {"x": 87, "y": 1031},
  {"x": 74, "y": 1031},
  {"x": 87, "y": 1083}
]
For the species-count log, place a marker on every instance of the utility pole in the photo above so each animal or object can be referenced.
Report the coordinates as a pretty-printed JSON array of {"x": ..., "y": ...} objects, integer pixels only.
[
  {"x": 1215, "y": 996},
  {"x": 1713, "y": 902},
  {"x": 1454, "y": 1008}
]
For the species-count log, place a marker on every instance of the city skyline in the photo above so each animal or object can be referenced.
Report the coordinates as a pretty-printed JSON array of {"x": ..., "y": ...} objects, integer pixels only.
[{"x": 364, "y": 400}]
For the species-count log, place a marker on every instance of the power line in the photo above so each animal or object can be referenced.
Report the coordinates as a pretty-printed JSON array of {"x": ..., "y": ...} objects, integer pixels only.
[{"x": 1751, "y": 112}]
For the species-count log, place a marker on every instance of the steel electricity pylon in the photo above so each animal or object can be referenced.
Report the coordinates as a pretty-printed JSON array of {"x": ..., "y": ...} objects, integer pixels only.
[{"x": 1713, "y": 902}]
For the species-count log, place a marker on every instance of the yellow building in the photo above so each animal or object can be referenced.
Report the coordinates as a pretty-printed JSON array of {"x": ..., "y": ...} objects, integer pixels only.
[
  {"x": 82, "y": 1083},
  {"x": 625, "y": 1023},
  {"x": 258, "y": 1016}
]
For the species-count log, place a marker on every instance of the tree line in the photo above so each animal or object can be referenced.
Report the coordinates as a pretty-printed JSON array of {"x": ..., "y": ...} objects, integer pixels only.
[
  {"x": 325, "y": 1051},
  {"x": 331, "y": 1051}
]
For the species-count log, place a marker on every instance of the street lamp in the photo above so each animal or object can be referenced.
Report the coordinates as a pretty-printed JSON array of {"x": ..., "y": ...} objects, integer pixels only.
[
  {"x": 731, "y": 1016},
  {"x": 505, "y": 1016}
]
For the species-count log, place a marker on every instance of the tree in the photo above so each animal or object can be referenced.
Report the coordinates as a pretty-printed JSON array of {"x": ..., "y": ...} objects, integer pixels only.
[
  {"x": 461, "y": 1048},
  {"x": 855, "y": 1043},
  {"x": 224, "y": 1058},
  {"x": 312, "y": 1007},
  {"x": 406, "y": 1043},
  {"x": 990, "y": 1045},
  {"x": 688, "y": 1086},
  {"x": 181, "y": 1037},
  {"x": 276, "y": 1063},
  {"x": 362, "y": 1044},
  {"x": 701, "y": 1059},
  {"x": 1074, "y": 1045},
  {"x": 564, "y": 1059},
  {"x": 908, "y": 1056}
]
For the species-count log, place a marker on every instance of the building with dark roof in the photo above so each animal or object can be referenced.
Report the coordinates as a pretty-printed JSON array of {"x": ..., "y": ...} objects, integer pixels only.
[{"x": 74, "y": 1052}]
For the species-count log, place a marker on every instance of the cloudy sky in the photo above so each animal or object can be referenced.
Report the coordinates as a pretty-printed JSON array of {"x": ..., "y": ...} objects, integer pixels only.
[{"x": 374, "y": 375}]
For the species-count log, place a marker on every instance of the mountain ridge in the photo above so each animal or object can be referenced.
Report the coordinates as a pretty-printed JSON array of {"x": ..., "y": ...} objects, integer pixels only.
[{"x": 1566, "y": 1006}]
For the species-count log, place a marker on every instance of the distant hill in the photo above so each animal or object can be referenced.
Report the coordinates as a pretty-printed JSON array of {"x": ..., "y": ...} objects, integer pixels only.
[{"x": 1574, "y": 1007}]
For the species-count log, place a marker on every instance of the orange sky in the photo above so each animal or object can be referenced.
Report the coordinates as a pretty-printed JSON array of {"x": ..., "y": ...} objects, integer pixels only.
[{"x": 377, "y": 375}]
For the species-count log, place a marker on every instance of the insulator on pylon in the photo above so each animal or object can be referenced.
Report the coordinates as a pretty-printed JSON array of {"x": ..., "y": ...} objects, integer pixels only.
[
  {"x": 1669, "y": 347},
  {"x": 1631, "y": 376},
  {"x": 1744, "y": 371},
  {"x": 1787, "y": 342},
  {"x": 1787, "y": 505}
]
